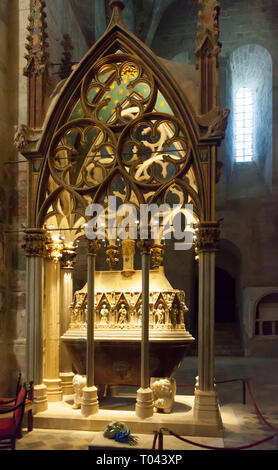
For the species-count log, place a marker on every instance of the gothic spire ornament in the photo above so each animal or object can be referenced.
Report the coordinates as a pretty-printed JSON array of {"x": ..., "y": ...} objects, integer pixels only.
[
  {"x": 116, "y": 6},
  {"x": 39, "y": 82},
  {"x": 37, "y": 56}
]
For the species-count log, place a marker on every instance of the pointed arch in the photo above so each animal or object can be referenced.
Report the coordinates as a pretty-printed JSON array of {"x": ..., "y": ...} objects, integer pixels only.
[{"x": 118, "y": 91}]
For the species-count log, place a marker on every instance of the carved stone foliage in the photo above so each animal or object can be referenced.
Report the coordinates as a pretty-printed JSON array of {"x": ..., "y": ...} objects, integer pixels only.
[
  {"x": 207, "y": 236},
  {"x": 145, "y": 246},
  {"x": 112, "y": 256},
  {"x": 157, "y": 253},
  {"x": 208, "y": 29},
  {"x": 68, "y": 256},
  {"x": 35, "y": 242},
  {"x": 26, "y": 139},
  {"x": 94, "y": 246},
  {"x": 37, "y": 56}
]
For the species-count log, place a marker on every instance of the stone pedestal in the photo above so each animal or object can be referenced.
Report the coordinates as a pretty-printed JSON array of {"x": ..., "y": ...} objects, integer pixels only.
[
  {"x": 66, "y": 382},
  {"x": 144, "y": 403},
  {"x": 54, "y": 389},
  {"x": 40, "y": 399},
  {"x": 206, "y": 408},
  {"x": 89, "y": 405}
]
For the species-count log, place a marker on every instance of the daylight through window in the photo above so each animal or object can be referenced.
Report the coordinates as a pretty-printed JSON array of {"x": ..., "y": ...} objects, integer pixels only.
[{"x": 244, "y": 125}]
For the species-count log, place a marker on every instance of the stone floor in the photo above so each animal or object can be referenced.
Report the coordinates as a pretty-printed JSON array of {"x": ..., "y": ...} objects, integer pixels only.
[{"x": 241, "y": 425}]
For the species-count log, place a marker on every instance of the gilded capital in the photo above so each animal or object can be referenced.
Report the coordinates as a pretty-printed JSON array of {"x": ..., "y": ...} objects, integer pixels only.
[
  {"x": 34, "y": 242},
  {"x": 54, "y": 249},
  {"x": 112, "y": 256},
  {"x": 68, "y": 256},
  {"x": 145, "y": 246},
  {"x": 207, "y": 237},
  {"x": 157, "y": 253},
  {"x": 94, "y": 246}
]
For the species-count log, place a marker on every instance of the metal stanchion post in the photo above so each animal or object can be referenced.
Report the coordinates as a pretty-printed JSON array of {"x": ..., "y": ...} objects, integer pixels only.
[
  {"x": 160, "y": 440},
  {"x": 244, "y": 392}
]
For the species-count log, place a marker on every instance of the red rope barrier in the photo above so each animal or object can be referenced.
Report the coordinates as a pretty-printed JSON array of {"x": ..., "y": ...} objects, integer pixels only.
[
  {"x": 257, "y": 409},
  {"x": 247, "y": 446},
  {"x": 154, "y": 440},
  {"x": 217, "y": 382},
  {"x": 203, "y": 446}
]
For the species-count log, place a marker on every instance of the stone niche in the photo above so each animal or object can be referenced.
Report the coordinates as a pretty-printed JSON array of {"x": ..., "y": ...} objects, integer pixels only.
[{"x": 260, "y": 319}]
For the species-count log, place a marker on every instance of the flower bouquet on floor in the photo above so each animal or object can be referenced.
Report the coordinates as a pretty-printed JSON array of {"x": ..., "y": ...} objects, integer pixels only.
[{"x": 119, "y": 432}]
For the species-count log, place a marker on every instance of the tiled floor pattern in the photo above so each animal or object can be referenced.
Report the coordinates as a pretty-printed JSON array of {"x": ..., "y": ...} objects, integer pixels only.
[{"x": 241, "y": 425}]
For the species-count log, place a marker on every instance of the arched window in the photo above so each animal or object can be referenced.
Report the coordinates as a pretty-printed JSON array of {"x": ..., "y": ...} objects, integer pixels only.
[
  {"x": 249, "y": 97},
  {"x": 244, "y": 125}
]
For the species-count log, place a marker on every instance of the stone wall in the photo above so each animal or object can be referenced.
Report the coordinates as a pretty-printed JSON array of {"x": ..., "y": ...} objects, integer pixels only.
[{"x": 13, "y": 194}]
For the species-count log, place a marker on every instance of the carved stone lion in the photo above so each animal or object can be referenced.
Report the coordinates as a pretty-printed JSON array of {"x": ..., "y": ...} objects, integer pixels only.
[
  {"x": 78, "y": 382},
  {"x": 164, "y": 391}
]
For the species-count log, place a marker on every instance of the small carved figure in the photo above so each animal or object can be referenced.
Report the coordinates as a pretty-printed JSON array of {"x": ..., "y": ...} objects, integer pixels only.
[
  {"x": 86, "y": 314},
  {"x": 71, "y": 309},
  {"x": 164, "y": 391},
  {"x": 122, "y": 315},
  {"x": 104, "y": 312},
  {"x": 77, "y": 314},
  {"x": 159, "y": 315},
  {"x": 175, "y": 316},
  {"x": 78, "y": 382},
  {"x": 139, "y": 315}
]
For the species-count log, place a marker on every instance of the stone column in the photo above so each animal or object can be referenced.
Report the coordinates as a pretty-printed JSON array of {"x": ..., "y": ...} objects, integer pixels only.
[
  {"x": 66, "y": 288},
  {"x": 206, "y": 408},
  {"x": 52, "y": 319},
  {"x": 34, "y": 246},
  {"x": 89, "y": 405},
  {"x": 144, "y": 400}
]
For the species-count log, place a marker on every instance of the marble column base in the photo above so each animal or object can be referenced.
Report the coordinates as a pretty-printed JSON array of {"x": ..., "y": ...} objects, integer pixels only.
[
  {"x": 54, "y": 389},
  {"x": 40, "y": 398},
  {"x": 206, "y": 408},
  {"x": 89, "y": 404},
  {"x": 144, "y": 403},
  {"x": 66, "y": 378}
]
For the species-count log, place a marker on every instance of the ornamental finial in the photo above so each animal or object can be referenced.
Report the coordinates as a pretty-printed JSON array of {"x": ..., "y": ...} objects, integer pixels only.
[{"x": 116, "y": 6}]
